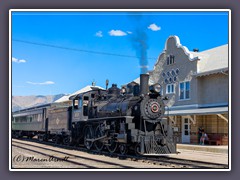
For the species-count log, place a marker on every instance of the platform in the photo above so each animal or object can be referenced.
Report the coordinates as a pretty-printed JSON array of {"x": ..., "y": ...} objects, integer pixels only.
[
  {"x": 203, "y": 153},
  {"x": 207, "y": 148}
]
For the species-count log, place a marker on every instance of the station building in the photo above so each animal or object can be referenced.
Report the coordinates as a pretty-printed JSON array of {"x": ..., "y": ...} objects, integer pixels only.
[{"x": 197, "y": 85}]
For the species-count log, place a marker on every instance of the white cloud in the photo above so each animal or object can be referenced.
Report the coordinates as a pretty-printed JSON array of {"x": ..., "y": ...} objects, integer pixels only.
[
  {"x": 154, "y": 27},
  {"x": 117, "y": 33},
  {"x": 41, "y": 83},
  {"x": 18, "y": 60},
  {"x": 99, "y": 34},
  {"x": 129, "y": 32},
  {"x": 14, "y": 59},
  {"x": 22, "y": 61}
]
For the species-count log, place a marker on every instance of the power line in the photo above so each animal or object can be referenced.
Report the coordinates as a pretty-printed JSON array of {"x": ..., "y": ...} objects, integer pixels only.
[{"x": 75, "y": 49}]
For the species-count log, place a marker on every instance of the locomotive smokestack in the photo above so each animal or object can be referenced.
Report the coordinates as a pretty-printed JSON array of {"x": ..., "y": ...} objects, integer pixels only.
[{"x": 144, "y": 83}]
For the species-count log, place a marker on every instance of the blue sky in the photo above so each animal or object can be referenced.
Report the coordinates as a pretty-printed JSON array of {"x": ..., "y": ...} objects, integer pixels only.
[{"x": 61, "y": 52}]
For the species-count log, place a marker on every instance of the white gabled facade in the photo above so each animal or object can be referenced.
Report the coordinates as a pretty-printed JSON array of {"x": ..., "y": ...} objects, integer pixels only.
[{"x": 196, "y": 84}]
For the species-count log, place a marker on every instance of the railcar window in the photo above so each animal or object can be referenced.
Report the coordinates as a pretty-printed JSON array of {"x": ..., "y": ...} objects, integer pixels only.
[
  {"x": 85, "y": 110},
  {"x": 75, "y": 104},
  {"x": 39, "y": 117},
  {"x": 36, "y": 117},
  {"x": 30, "y": 119},
  {"x": 23, "y": 119},
  {"x": 92, "y": 95},
  {"x": 86, "y": 98},
  {"x": 129, "y": 89},
  {"x": 80, "y": 103},
  {"x": 136, "y": 90},
  {"x": 16, "y": 119}
]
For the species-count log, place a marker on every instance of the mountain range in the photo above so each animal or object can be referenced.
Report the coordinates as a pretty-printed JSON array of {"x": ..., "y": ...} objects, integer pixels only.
[{"x": 22, "y": 102}]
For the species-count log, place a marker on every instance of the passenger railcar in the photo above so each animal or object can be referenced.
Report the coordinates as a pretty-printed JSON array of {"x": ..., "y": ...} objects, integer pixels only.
[{"x": 30, "y": 122}]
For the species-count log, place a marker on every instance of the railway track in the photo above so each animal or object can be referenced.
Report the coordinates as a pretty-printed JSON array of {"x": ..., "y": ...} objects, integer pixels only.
[{"x": 155, "y": 162}]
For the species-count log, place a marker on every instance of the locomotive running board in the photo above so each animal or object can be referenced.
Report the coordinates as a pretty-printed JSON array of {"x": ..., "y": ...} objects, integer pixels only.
[
  {"x": 96, "y": 139},
  {"x": 115, "y": 117},
  {"x": 159, "y": 154}
]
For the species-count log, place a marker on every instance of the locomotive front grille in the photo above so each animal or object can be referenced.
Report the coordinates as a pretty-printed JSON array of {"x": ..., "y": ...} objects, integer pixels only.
[{"x": 151, "y": 145}]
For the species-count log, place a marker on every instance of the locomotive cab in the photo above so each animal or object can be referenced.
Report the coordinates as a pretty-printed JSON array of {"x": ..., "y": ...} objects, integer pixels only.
[
  {"x": 83, "y": 104},
  {"x": 80, "y": 108},
  {"x": 133, "y": 89}
]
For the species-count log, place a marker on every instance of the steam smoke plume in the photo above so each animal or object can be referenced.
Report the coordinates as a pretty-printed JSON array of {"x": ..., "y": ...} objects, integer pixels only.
[{"x": 139, "y": 42}]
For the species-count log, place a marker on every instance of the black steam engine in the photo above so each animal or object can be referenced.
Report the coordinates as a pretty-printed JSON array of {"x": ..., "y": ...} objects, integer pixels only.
[{"x": 124, "y": 119}]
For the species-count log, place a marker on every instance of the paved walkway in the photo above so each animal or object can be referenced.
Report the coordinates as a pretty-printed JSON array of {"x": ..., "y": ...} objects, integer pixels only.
[
  {"x": 204, "y": 153},
  {"x": 208, "y": 148}
]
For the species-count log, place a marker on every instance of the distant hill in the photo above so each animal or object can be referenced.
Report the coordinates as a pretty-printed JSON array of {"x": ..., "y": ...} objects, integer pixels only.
[{"x": 21, "y": 102}]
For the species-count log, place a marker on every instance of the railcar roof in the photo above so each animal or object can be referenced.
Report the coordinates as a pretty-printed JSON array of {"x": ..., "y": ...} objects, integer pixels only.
[
  {"x": 82, "y": 93},
  {"x": 33, "y": 108},
  {"x": 83, "y": 90}
]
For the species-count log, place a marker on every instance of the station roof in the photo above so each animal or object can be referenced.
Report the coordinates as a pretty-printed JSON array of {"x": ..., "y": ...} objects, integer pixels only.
[{"x": 212, "y": 60}]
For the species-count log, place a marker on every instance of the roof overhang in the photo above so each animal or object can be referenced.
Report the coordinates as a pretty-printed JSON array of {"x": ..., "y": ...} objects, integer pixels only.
[
  {"x": 223, "y": 70},
  {"x": 198, "y": 111}
]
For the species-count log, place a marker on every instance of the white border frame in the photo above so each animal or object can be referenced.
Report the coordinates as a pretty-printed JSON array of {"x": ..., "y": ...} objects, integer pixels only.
[{"x": 115, "y": 10}]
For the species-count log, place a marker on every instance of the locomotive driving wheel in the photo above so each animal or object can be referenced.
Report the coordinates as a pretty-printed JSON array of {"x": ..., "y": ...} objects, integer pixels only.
[
  {"x": 123, "y": 149},
  {"x": 99, "y": 133},
  {"x": 137, "y": 149},
  {"x": 56, "y": 139},
  {"x": 67, "y": 140},
  {"x": 88, "y": 135},
  {"x": 112, "y": 146}
]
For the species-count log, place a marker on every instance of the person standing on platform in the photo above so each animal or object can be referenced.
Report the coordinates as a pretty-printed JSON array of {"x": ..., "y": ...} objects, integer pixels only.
[
  {"x": 203, "y": 138},
  {"x": 200, "y": 130}
]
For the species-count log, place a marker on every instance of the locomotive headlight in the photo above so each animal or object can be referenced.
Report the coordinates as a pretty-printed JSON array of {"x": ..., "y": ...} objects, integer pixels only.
[
  {"x": 123, "y": 90},
  {"x": 156, "y": 88}
]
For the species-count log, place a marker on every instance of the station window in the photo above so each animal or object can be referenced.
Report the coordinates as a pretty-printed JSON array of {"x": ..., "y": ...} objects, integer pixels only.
[
  {"x": 170, "y": 88},
  {"x": 170, "y": 59},
  {"x": 184, "y": 90}
]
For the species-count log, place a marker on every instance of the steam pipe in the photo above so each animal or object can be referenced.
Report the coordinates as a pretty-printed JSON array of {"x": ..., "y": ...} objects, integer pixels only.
[{"x": 144, "y": 83}]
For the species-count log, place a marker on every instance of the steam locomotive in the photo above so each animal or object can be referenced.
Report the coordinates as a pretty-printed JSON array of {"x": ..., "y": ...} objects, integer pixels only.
[{"x": 123, "y": 120}]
